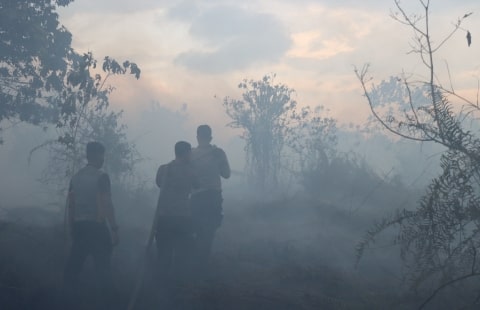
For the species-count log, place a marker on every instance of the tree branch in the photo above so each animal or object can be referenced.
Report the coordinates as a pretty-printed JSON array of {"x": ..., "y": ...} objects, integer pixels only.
[
  {"x": 361, "y": 77},
  {"x": 441, "y": 287}
]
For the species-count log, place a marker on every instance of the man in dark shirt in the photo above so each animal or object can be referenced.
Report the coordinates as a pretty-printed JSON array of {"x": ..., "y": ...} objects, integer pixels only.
[
  {"x": 91, "y": 220},
  {"x": 174, "y": 235}
]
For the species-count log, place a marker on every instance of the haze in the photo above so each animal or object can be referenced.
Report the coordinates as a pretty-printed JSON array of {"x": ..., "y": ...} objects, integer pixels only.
[{"x": 291, "y": 246}]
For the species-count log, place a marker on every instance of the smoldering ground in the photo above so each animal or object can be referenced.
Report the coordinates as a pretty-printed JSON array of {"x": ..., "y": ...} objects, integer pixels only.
[{"x": 296, "y": 254}]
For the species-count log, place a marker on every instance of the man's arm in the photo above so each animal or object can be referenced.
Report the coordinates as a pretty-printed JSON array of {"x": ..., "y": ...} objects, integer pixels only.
[
  {"x": 223, "y": 164},
  {"x": 106, "y": 204}
]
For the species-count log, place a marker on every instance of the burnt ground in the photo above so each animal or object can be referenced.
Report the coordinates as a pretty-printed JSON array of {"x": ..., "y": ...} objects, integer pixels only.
[{"x": 290, "y": 254}]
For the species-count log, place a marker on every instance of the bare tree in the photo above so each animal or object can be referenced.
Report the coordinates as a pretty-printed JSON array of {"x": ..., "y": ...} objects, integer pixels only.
[{"x": 439, "y": 239}]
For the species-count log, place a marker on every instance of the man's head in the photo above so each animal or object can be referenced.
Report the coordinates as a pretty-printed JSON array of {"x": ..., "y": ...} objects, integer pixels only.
[
  {"x": 204, "y": 134},
  {"x": 95, "y": 154},
  {"x": 183, "y": 150}
]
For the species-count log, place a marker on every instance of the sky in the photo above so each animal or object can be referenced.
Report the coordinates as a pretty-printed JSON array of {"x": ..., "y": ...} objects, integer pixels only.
[{"x": 194, "y": 53}]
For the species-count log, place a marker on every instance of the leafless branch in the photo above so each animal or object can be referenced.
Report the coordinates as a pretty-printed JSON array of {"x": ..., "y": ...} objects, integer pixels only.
[
  {"x": 361, "y": 76},
  {"x": 457, "y": 26},
  {"x": 447, "y": 284},
  {"x": 409, "y": 21}
]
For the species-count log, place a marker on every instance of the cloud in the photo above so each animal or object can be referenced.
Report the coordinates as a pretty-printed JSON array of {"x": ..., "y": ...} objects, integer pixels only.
[
  {"x": 234, "y": 39},
  {"x": 379, "y": 5},
  {"x": 331, "y": 33},
  {"x": 112, "y": 6},
  {"x": 310, "y": 44},
  {"x": 184, "y": 11}
]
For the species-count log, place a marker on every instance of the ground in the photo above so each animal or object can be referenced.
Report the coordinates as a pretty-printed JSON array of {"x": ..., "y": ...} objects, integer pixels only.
[{"x": 294, "y": 253}]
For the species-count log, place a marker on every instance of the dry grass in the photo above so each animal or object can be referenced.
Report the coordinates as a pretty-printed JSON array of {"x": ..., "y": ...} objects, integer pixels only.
[{"x": 290, "y": 254}]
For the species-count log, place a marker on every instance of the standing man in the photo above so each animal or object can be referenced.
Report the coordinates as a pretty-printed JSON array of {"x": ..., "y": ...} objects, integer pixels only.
[
  {"x": 210, "y": 164},
  {"x": 174, "y": 233},
  {"x": 91, "y": 221}
]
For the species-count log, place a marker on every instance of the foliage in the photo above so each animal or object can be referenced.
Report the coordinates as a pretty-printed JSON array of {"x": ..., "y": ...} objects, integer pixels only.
[
  {"x": 439, "y": 240},
  {"x": 34, "y": 55},
  {"x": 91, "y": 120},
  {"x": 271, "y": 122},
  {"x": 312, "y": 138},
  {"x": 42, "y": 79},
  {"x": 264, "y": 115}
]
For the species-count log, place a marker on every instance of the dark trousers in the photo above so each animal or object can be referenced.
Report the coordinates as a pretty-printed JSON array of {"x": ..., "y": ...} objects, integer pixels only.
[
  {"x": 89, "y": 238},
  {"x": 174, "y": 240},
  {"x": 207, "y": 217}
]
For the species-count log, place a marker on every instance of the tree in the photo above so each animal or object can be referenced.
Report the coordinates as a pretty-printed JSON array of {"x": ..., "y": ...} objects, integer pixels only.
[
  {"x": 42, "y": 79},
  {"x": 312, "y": 138},
  {"x": 90, "y": 119},
  {"x": 272, "y": 124},
  {"x": 438, "y": 240},
  {"x": 34, "y": 54},
  {"x": 264, "y": 115}
]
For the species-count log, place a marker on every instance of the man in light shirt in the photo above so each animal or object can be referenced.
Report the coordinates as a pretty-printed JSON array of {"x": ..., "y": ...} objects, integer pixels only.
[
  {"x": 210, "y": 164},
  {"x": 91, "y": 220}
]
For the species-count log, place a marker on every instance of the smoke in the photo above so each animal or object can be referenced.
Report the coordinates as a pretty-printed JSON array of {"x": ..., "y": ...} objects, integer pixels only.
[
  {"x": 303, "y": 236},
  {"x": 19, "y": 185}
]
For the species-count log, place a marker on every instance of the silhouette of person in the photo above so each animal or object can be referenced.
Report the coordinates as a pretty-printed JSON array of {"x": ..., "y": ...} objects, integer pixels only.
[
  {"x": 92, "y": 223},
  {"x": 210, "y": 164},
  {"x": 174, "y": 234}
]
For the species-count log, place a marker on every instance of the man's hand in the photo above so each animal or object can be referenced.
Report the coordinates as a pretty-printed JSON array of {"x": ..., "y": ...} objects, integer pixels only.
[{"x": 115, "y": 239}]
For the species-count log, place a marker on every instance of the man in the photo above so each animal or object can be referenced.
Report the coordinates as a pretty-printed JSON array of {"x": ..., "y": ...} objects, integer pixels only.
[
  {"x": 174, "y": 234},
  {"x": 90, "y": 209},
  {"x": 210, "y": 164}
]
